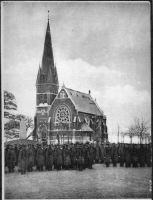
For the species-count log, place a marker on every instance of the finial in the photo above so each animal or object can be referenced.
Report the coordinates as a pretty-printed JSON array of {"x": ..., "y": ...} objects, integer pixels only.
[
  {"x": 63, "y": 84},
  {"x": 48, "y": 15}
]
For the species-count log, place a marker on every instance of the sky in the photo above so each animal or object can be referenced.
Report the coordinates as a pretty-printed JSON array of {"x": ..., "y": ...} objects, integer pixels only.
[{"x": 103, "y": 47}]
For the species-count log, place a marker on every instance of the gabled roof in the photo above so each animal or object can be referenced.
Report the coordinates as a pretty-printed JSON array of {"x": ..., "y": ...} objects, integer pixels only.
[{"x": 83, "y": 102}]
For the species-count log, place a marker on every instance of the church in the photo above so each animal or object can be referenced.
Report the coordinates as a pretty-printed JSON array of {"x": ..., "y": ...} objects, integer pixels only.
[{"x": 65, "y": 115}]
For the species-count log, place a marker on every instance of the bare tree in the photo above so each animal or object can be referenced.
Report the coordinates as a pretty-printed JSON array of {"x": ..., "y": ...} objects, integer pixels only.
[
  {"x": 138, "y": 128},
  {"x": 131, "y": 132},
  {"x": 141, "y": 127}
]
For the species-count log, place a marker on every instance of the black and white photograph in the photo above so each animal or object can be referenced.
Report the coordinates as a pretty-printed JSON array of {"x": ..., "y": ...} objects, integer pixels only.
[{"x": 76, "y": 100}]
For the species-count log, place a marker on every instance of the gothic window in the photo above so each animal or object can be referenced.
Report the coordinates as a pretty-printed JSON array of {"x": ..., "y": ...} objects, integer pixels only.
[
  {"x": 41, "y": 98},
  {"x": 62, "y": 114}
]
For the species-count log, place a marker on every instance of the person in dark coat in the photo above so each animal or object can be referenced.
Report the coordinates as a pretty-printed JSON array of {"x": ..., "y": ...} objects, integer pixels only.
[
  {"x": 145, "y": 156},
  {"x": 114, "y": 155},
  {"x": 45, "y": 147},
  {"x": 67, "y": 158},
  {"x": 91, "y": 156},
  {"x": 16, "y": 154},
  {"x": 127, "y": 156},
  {"x": 142, "y": 156},
  {"x": 135, "y": 156},
  {"x": 121, "y": 155},
  {"x": 11, "y": 159},
  {"x": 74, "y": 156},
  {"x": 40, "y": 158},
  {"x": 107, "y": 155},
  {"x": 80, "y": 159},
  {"x": 59, "y": 158},
  {"x": 50, "y": 158},
  {"x": 149, "y": 155},
  {"x": 55, "y": 157},
  {"x": 102, "y": 153},
  {"x": 23, "y": 159},
  {"x": 97, "y": 153},
  {"x": 85, "y": 156},
  {"x": 6, "y": 156},
  {"x": 35, "y": 157},
  {"x": 30, "y": 157}
]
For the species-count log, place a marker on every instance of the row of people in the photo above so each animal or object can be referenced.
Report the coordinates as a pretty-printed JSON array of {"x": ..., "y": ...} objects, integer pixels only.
[{"x": 76, "y": 156}]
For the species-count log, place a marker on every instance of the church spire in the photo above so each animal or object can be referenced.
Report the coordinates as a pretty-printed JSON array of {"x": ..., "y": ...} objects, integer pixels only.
[{"x": 48, "y": 58}]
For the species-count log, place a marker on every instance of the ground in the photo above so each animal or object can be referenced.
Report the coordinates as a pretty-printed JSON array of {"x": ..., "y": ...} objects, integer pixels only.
[{"x": 98, "y": 183}]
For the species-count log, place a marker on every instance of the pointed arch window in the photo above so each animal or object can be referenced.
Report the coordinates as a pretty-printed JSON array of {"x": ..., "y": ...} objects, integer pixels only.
[{"x": 41, "y": 98}]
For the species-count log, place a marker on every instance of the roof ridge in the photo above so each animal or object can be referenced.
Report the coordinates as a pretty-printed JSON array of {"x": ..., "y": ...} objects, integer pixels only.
[{"x": 77, "y": 91}]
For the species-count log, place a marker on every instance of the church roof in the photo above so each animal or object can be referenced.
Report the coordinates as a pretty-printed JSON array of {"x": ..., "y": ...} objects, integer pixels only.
[{"x": 84, "y": 102}]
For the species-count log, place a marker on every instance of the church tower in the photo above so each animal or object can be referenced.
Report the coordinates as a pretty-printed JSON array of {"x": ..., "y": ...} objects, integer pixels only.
[
  {"x": 47, "y": 78},
  {"x": 46, "y": 88}
]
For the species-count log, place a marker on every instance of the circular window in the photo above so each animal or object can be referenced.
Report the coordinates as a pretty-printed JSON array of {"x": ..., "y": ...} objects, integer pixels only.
[{"x": 62, "y": 114}]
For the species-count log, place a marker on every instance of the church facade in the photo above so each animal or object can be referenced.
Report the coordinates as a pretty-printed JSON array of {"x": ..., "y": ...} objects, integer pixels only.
[{"x": 65, "y": 115}]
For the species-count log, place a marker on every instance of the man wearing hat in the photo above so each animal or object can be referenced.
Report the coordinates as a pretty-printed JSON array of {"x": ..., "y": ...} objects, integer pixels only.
[
  {"x": 128, "y": 153},
  {"x": 55, "y": 157},
  {"x": 6, "y": 155},
  {"x": 80, "y": 159},
  {"x": 114, "y": 155},
  {"x": 59, "y": 157},
  {"x": 50, "y": 158},
  {"x": 142, "y": 156},
  {"x": 30, "y": 155},
  {"x": 91, "y": 155},
  {"x": 102, "y": 153},
  {"x": 149, "y": 155},
  {"x": 121, "y": 154},
  {"x": 67, "y": 157},
  {"x": 35, "y": 156},
  {"x": 74, "y": 157},
  {"x": 11, "y": 159},
  {"x": 40, "y": 158},
  {"x": 16, "y": 150},
  {"x": 23, "y": 159},
  {"x": 135, "y": 156},
  {"x": 97, "y": 153},
  {"x": 107, "y": 155}
]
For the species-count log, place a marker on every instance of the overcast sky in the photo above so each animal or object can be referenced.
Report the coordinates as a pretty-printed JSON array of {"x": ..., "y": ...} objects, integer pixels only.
[{"x": 99, "y": 46}]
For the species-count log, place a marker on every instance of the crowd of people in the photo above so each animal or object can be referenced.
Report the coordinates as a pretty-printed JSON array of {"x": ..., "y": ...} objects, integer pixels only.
[{"x": 75, "y": 156}]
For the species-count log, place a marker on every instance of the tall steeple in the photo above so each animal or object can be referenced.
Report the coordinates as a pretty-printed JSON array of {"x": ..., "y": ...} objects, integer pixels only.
[
  {"x": 47, "y": 78},
  {"x": 48, "y": 58}
]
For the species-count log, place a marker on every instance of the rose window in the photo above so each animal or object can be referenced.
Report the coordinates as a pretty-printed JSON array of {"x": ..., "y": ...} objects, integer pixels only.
[{"x": 62, "y": 114}]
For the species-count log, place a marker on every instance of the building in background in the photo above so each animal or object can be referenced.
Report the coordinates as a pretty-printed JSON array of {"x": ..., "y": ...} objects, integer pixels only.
[{"x": 68, "y": 115}]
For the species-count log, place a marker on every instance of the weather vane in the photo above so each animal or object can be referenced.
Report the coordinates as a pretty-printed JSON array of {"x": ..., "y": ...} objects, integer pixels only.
[{"x": 48, "y": 15}]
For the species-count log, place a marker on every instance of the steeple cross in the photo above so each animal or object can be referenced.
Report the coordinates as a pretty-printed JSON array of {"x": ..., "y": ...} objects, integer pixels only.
[{"x": 48, "y": 15}]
